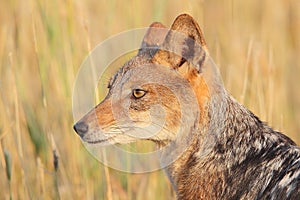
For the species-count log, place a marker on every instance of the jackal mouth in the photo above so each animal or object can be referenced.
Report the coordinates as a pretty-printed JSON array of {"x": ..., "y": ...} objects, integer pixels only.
[{"x": 101, "y": 141}]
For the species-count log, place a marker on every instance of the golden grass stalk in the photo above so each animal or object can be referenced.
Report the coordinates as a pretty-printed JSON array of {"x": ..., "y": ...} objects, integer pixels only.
[
  {"x": 109, "y": 195},
  {"x": 56, "y": 184},
  {"x": 8, "y": 170}
]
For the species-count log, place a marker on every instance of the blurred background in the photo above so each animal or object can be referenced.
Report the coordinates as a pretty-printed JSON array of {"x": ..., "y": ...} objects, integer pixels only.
[{"x": 255, "y": 43}]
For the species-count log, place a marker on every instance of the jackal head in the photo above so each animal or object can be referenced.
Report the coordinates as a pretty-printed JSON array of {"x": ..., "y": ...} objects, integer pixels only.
[{"x": 162, "y": 94}]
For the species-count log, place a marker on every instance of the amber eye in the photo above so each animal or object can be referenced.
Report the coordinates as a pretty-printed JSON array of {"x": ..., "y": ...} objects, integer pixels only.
[{"x": 138, "y": 93}]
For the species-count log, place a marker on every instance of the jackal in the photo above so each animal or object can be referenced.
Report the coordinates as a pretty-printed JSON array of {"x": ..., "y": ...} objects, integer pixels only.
[{"x": 228, "y": 152}]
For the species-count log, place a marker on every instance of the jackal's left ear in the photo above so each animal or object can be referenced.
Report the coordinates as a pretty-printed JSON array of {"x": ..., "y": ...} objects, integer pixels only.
[
  {"x": 153, "y": 38},
  {"x": 184, "y": 42}
]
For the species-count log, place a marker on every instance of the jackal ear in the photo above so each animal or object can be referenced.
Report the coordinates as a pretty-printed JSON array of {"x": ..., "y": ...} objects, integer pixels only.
[
  {"x": 153, "y": 38},
  {"x": 184, "y": 42}
]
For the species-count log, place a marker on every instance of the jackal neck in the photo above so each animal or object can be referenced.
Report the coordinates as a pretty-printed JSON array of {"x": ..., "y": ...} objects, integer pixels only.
[
  {"x": 199, "y": 172},
  {"x": 234, "y": 138},
  {"x": 192, "y": 165}
]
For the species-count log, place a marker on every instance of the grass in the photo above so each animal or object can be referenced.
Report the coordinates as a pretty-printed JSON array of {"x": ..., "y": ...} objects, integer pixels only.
[{"x": 255, "y": 43}]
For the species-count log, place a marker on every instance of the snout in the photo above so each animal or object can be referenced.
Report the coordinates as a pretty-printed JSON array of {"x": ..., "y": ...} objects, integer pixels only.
[{"x": 81, "y": 128}]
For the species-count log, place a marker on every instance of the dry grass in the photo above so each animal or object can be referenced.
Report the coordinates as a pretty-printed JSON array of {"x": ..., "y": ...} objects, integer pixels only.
[{"x": 42, "y": 44}]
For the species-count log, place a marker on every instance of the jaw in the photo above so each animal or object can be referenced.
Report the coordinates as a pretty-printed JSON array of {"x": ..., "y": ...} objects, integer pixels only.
[
  {"x": 104, "y": 142},
  {"x": 162, "y": 136}
]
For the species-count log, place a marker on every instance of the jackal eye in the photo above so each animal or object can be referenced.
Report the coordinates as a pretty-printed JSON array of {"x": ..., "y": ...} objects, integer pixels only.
[{"x": 138, "y": 93}]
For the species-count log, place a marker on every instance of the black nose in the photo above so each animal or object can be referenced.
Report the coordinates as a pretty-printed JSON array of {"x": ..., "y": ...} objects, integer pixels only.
[{"x": 81, "y": 128}]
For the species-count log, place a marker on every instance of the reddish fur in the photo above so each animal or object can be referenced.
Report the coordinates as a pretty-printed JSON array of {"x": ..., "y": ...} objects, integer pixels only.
[
  {"x": 201, "y": 90},
  {"x": 104, "y": 114}
]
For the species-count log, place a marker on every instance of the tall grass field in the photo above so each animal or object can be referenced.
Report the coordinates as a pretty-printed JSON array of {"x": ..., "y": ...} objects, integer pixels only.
[{"x": 255, "y": 43}]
